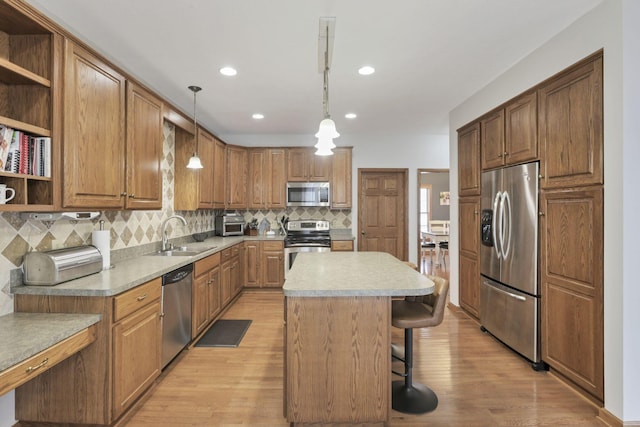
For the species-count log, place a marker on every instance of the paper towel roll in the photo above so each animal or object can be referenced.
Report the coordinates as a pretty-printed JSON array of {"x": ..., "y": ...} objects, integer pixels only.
[{"x": 101, "y": 239}]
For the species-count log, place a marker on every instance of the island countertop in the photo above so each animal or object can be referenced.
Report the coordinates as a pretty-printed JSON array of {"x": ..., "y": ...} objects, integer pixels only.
[{"x": 353, "y": 274}]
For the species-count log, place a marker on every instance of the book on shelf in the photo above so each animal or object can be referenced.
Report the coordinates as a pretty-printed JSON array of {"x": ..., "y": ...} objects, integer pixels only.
[{"x": 23, "y": 153}]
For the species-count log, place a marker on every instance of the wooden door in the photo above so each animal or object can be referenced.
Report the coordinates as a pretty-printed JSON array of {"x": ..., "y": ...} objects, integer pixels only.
[
  {"x": 252, "y": 266},
  {"x": 225, "y": 282},
  {"x": 257, "y": 178},
  {"x": 219, "y": 172},
  {"x": 297, "y": 164},
  {"x": 200, "y": 315},
  {"x": 144, "y": 149},
  {"x": 276, "y": 179},
  {"x": 215, "y": 303},
  {"x": 319, "y": 167},
  {"x": 571, "y": 274},
  {"x": 570, "y": 127},
  {"x": 341, "y": 179},
  {"x": 94, "y": 135},
  {"x": 469, "y": 239},
  {"x": 272, "y": 264},
  {"x": 492, "y": 140},
  {"x": 236, "y": 177},
  {"x": 469, "y": 160},
  {"x": 521, "y": 130},
  {"x": 206, "y": 147},
  {"x": 382, "y": 211}
]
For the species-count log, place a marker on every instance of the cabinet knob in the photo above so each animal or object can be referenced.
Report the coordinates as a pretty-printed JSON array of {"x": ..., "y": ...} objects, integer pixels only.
[
  {"x": 123, "y": 194},
  {"x": 506, "y": 154},
  {"x": 132, "y": 196},
  {"x": 142, "y": 297},
  {"x": 363, "y": 233},
  {"x": 499, "y": 155},
  {"x": 540, "y": 176},
  {"x": 540, "y": 213}
]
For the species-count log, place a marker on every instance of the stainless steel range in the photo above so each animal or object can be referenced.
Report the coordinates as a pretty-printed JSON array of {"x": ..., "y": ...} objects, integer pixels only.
[{"x": 307, "y": 235}]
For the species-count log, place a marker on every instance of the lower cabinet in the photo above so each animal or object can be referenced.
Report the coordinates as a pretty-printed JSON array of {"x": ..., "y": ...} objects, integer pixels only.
[
  {"x": 264, "y": 263},
  {"x": 231, "y": 273},
  {"x": 470, "y": 285},
  {"x": 206, "y": 293},
  {"x": 99, "y": 383},
  {"x": 342, "y": 246}
]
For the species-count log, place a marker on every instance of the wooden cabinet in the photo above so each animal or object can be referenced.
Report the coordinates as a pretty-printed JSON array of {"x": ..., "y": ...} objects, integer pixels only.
[
  {"x": 144, "y": 149},
  {"x": 341, "y": 178},
  {"x": 93, "y": 150},
  {"x": 195, "y": 188},
  {"x": 206, "y": 175},
  {"x": 236, "y": 177},
  {"x": 28, "y": 91},
  {"x": 570, "y": 127},
  {"x": 219, "y": 176},
  {"x": 469, "y": 226},
  {"x": 509, "y": 135},
  {"x": 206, "y": 295},
  {"x": 231, "y": 273},
  {"x": 304, "y": 165},
  {"x": 469, "y": 160},
  {"x": 99, "y": 383},
  {"x": 571, "y": 238},
  {"x": 342, "y": 246},
  {"x": 267, "y": 180},
  {"x": 264, "y": 263}
]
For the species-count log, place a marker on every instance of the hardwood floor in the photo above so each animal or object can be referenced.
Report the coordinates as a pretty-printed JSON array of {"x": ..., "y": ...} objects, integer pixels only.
[{"x": 478, "y": 381}]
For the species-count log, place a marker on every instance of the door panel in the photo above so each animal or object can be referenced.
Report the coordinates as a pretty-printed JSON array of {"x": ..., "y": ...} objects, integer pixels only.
[{"x": 382, "y": 212}]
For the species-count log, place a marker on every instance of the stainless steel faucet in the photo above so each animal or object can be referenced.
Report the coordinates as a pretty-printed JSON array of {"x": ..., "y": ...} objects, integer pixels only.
[{"x": 164, "y": 229}]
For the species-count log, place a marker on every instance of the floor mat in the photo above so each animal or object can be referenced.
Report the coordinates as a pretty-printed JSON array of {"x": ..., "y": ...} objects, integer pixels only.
[{"x": 224, "y": 333}]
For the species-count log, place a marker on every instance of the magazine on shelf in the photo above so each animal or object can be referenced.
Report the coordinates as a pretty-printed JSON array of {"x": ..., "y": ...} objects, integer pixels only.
[
  {"x": 23, "y": 153},
  {"x": 6, "y": 133}
]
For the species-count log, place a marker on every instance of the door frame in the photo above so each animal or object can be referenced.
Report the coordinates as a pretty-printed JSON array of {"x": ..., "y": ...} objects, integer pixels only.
[
  {"x": 418, "y": 172},
  {"x": 405, "y": 231}
]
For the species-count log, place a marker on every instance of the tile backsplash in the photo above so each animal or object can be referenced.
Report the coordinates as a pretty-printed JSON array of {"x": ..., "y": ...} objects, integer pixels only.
[{"x": 129, "y": 229}]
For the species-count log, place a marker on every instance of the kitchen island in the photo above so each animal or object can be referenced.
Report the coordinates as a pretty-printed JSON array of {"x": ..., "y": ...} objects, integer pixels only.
[{"x": 337, "y": 335}]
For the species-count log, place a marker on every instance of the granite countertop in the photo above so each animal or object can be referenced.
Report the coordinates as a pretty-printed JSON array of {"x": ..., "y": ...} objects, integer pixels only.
[
  {"x": 131, "y": 272},
  {"x": 26, "y": 334},
  {"x": 353, "y": 274}
]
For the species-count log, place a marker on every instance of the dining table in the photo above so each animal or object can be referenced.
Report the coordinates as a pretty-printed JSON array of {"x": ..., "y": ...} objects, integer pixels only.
[{"x": 437, "y": 236}]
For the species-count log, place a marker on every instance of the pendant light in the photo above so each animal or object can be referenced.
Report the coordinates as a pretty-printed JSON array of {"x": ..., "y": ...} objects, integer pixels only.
[
  {"x": 327, "y": 129},
  {"x": 194, "y": 161}
]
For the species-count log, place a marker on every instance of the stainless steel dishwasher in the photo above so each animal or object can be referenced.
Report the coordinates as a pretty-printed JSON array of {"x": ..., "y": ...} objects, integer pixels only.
[{"x": 176, "y": 312}]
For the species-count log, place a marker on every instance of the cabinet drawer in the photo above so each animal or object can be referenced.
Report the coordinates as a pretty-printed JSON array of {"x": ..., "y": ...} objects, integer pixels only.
[
  {"x": 235, "y": 250},
  {"x": 130, "y": 301},
  {"x": 226, "y": 255},
  {"x": 342, "y": 245},
  {"x": 272, "y": 246},
  {"x": 206, "y": 264},
  {"x": 34, "y": 366}
]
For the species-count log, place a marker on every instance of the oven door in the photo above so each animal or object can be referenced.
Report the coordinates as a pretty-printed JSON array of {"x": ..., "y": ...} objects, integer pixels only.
[{"x": 291, "y": 253}]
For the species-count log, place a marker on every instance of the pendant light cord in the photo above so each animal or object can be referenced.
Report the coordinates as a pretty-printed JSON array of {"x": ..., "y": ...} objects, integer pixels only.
[{"x": 326, "y": 77}]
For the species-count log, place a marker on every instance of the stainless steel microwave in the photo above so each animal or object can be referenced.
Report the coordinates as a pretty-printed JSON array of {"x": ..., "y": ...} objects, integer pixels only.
[{"x": 308, "y": 194}]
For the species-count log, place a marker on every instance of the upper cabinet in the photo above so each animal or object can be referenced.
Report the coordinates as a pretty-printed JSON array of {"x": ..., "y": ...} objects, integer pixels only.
[
  {"x": 570, "y": 127},
  {"x": 29, "y": 57},
  {"x": 304, "y": 165},
  {"x": 194, "y": 188},
  {"x": 144, "y": 149},
  {"x": 206, "y": 175},
  {"x": 219, "y": 181},
  {"x": 267, "y": 181},
  {"x": 341, "y": 178},
  {"x": 94, "y": 137},
  {"x": 469, "y": 160},
  {"x": 236, "y": 176},
  {"x": 509, "y": 135}
]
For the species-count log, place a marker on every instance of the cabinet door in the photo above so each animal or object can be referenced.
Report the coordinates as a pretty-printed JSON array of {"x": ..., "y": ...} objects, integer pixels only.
[
  {"x": 199, "y": 305},
  {"x": 469, "y": 225},
  {"x": 492, "y": 140},
  {"x": 258, "y": 179},
  {"x": 571, "y": 254},
  {"x": 272, "y": 269},
  {"x": 144, "y": 149},
  {"x": 215, "y": 303},
  {"x": 225, "y": 282},
  {"x": 319, "y": 167},
  {"x": 570, "y": 127},
  {"x": 136, "y": 355},
  {"x": 276, "y": 179},
  {"x": 341, "y": 178},
  {"x": 521, "y": 131},
  {"x": 469, "y": 160},
  {"x": 206, "y": 147},
  {"x": 219, "y": 178},
  {"x": 237, "y": 276},
  {"x": 252, "y": 266},
  {"x": 470, "y": 284},
  {"x": 94, "y": 138},
  {"x": 236, "y": 177},
  {"x": 297, "y": 164}
]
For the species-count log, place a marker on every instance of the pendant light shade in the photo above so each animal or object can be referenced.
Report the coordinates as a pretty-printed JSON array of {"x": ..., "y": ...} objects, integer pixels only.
[
  {"x": 194, "y": 161},
  {"x": 327, "y": 129}
]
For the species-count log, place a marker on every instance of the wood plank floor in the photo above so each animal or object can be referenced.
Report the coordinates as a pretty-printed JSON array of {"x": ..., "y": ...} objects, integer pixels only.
[{"x": 478, "y": 381}]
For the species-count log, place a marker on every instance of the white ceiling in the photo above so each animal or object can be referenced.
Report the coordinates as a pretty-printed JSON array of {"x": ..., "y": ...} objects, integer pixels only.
[{"x": 429, "y": 55}]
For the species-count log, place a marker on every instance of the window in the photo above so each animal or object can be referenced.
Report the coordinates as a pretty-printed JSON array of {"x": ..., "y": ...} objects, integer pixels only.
[{"x": 425, "y": 206}]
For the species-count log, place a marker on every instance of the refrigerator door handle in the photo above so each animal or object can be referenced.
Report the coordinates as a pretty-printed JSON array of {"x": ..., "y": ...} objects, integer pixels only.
[
  {"x": 495, "y": 223},
  {"x": 518, "y": 297},
  {"x": 506, "y": 201}
]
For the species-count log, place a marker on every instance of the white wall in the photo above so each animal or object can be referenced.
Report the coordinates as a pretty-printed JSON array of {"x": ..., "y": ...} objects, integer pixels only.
[
  {"x": 378, "y": 150},
  {"x": 600, "y": 28}
]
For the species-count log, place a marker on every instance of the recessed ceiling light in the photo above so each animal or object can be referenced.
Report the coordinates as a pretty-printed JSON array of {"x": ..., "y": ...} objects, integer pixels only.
[
  {"x": 366, "y": 70},
  {"x": 258, "y": 116},
  {"x": 350, "y": 115},
  {"x": 228, "y": 71}
]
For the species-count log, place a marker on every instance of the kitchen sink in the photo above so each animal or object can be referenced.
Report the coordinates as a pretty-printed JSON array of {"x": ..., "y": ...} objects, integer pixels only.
[{"x": 183, "y": 251}]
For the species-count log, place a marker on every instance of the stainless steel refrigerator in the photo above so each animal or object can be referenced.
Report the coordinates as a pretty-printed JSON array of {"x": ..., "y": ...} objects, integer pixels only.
[{"x": 509, "y": 286}]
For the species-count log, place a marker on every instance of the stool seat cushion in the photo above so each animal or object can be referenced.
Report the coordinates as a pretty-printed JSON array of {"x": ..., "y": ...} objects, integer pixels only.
[{"x": 411, "y": 314}]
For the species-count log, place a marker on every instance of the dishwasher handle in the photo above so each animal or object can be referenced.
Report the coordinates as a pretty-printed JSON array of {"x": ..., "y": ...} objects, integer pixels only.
[{"x": 177, "y": 275}]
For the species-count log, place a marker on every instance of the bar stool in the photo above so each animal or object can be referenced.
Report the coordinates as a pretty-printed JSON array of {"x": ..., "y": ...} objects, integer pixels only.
[{"x": 416, "y": 312}]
